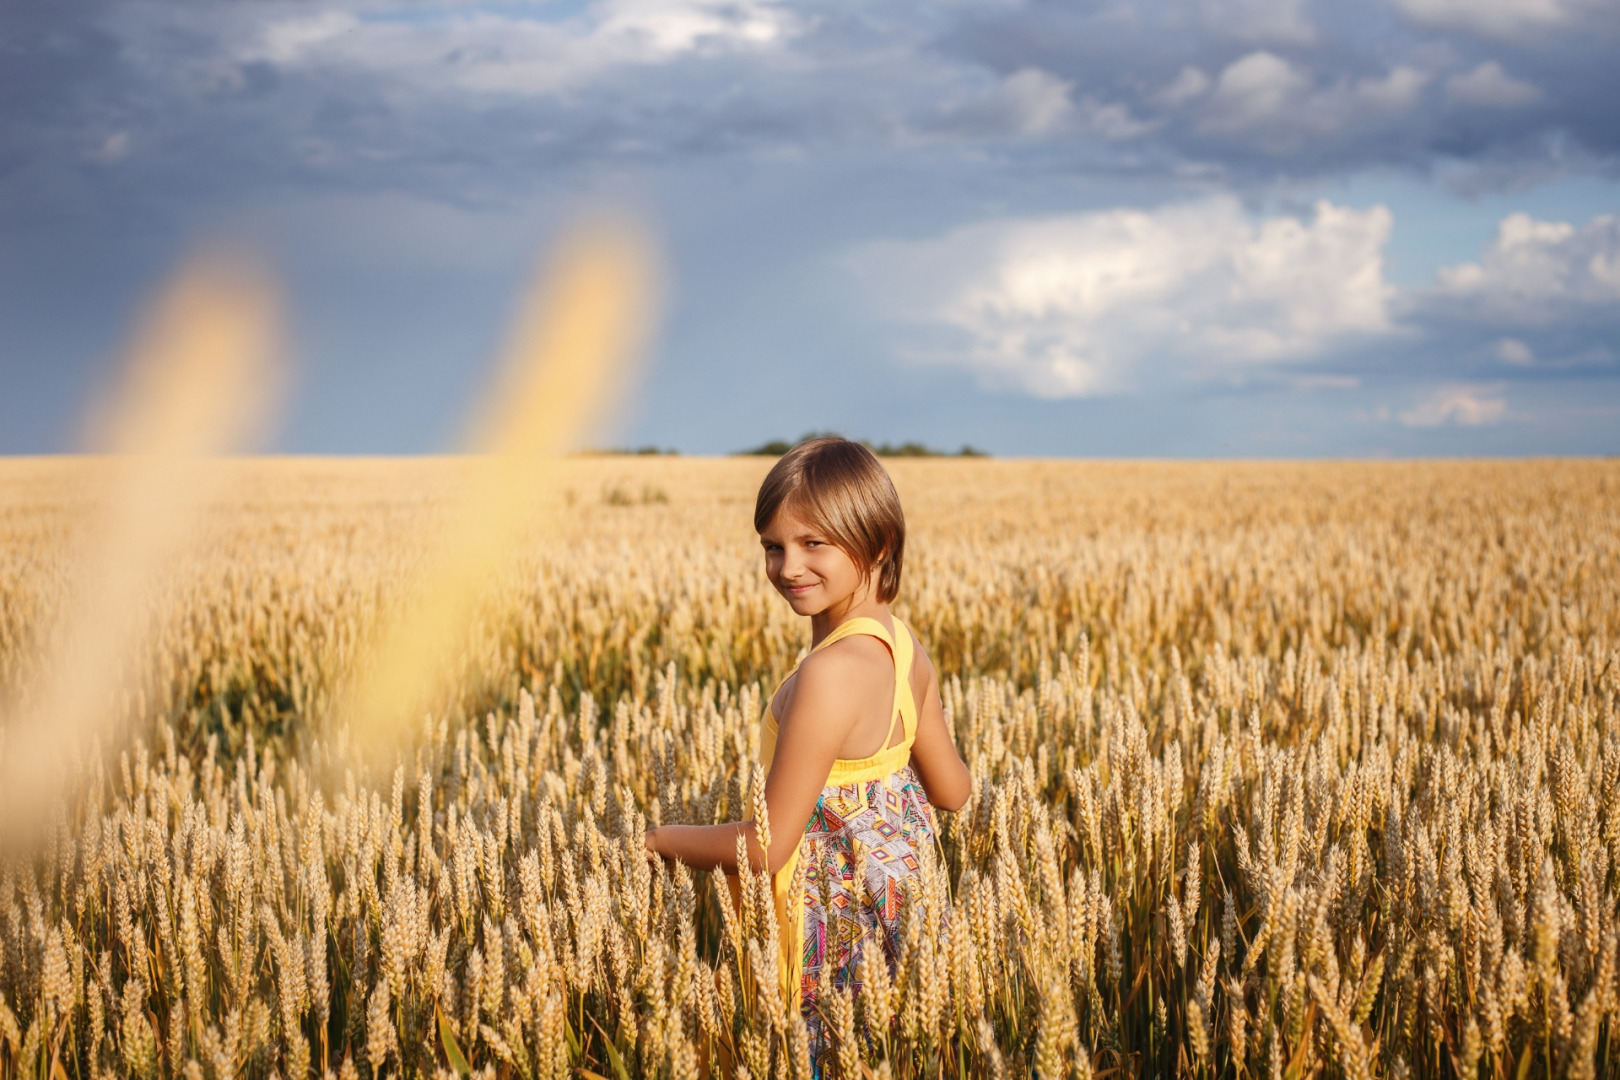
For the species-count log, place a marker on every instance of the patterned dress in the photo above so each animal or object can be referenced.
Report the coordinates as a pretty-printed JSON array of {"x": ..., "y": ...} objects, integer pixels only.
[{"x": 843, "y": 909}]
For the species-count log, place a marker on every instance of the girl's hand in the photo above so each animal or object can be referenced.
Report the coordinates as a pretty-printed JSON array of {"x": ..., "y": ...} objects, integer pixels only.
[{"x": 650, "y": 839}]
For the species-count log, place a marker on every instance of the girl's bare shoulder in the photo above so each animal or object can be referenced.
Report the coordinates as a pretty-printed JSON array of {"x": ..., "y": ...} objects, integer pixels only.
[
  {"x": 834, "y": 684},
  {"x": 852, "y": 661}
]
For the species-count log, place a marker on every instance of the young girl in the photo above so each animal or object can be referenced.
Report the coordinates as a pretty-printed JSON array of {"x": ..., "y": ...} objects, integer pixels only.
[{"x": 854, "y": 739}]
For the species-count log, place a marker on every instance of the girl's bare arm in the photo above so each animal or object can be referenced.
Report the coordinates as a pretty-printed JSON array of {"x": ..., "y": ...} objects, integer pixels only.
[
  {"x": 828, "y": 691},
  {"x": 940, "y": 768},
  {"x": 706, "y": 847}
]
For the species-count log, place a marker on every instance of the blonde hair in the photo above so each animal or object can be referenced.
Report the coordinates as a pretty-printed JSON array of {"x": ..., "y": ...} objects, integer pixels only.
[{"x": 841, "y": 488}]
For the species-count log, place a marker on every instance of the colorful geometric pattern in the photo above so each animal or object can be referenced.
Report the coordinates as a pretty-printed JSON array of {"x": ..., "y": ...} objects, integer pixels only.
[{"x": 846, "y": 913}]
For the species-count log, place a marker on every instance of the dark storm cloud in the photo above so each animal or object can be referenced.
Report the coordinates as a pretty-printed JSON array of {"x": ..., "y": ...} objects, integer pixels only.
[
  {"x": 52, "y": 59},
  {"x": 1260, "y": 90},
  {"x": 284, "y": 92}
]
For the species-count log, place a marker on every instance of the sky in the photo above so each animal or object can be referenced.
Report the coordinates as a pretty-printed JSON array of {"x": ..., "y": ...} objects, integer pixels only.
[{"x": 1163, "y": 228}]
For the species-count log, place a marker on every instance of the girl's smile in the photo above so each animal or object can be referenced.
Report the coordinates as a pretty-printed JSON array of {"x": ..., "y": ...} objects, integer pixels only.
[{"x": 816, "y": 577}]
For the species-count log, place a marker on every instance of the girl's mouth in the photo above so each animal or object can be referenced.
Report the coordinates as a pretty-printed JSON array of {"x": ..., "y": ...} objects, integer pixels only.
[{"x": 798, "y": 590}]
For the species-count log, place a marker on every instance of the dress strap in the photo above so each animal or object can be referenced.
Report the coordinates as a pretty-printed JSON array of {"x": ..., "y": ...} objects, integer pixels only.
[
  {"x": 862, "y": 624},
  {"x": 901, "y": 650},
  {"x": 905, "y": 702}
]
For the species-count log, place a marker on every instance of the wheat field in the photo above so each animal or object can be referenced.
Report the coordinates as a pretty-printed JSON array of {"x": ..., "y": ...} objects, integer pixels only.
[{"x": 1281, "y": 770}]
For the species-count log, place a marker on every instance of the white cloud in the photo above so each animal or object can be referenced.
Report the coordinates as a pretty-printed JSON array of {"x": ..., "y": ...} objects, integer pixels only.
[
  {"x": 671, "y": 27},
  {"x": 1492, "y": 18},
  {"x": 1463, "y": 404},
  {"x": 1031, "y": 103},
  {"x": 1190, "y": 82},
  {"x": 1255, "y": 89},
  {"x": 290, "y": 40},
  {"x": 1090, "y": 303},
  {"x": 497, "y": 52},
  {"x": 1396, "y": 92},
  {"x": 1535, "y": 273},
  {"x": 1276, "y": 102},
  {"x": 1489, "y": 87},
  {"x": 1036, "y": 101},
  {"x": 1112, "y": 120}
]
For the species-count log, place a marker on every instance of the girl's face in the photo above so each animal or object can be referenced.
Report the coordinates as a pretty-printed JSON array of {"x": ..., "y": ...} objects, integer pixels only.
[{"x": 806, "y": 568}]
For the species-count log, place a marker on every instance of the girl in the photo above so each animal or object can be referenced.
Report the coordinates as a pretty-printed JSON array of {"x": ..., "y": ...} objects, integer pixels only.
[{"x": 854, "y": 740}]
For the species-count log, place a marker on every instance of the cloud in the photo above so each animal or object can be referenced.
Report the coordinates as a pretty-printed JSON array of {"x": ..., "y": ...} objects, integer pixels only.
[
  {"x": 495, "y": 52},
  {"x": 1028, "y": 103},
  {"x": 1281, "y": 21},
  {"x": 1513, "y": 351},
  {"x": 432, "y": 143},
  {"x": 1533, "y": 274},
  {"x": 1491, "y": 18},
  {"x": 1190, "y": 83},
  {"x": 1489, "y": 87},
  {"x": 1038, "y": 101},
  {"x": 1276, "y": 104},
  {"x": 1216, "y": 96},
  {"x": 412, "y": 94},
  {"x": 1099, "y": 302},
  {"x": 672, "y": 27},
  {"x": 1257, "y": 89},
  {"x": 1462, "y": 404}
]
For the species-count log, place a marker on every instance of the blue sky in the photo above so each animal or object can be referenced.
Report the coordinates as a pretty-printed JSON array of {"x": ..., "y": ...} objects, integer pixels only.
[{"x": 1191, "y": 228}]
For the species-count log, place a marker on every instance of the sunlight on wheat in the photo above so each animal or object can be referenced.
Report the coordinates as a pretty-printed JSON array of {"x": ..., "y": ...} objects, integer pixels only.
[{"x": 1280, "y": 770}]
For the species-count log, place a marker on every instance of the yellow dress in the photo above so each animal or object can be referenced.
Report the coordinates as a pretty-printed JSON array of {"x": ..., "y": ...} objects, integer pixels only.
[{"x": 843, "y": 909}]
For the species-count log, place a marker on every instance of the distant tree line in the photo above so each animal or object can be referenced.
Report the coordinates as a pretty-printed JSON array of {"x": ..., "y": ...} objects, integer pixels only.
[
  {"x": 639, "y": 451},
  {"x": 778, "y": 447}
]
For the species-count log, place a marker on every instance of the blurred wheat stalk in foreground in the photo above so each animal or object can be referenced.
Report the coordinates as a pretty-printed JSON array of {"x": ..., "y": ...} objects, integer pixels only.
[{"x": 1281, "y": 771}]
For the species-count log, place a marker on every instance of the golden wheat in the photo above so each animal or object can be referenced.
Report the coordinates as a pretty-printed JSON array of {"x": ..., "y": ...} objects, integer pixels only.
[{"x": 1279, "y": 770}]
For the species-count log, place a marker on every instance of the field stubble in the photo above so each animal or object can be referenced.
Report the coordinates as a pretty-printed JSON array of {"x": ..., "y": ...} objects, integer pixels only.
[{"x": 1280, "y": 770}]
